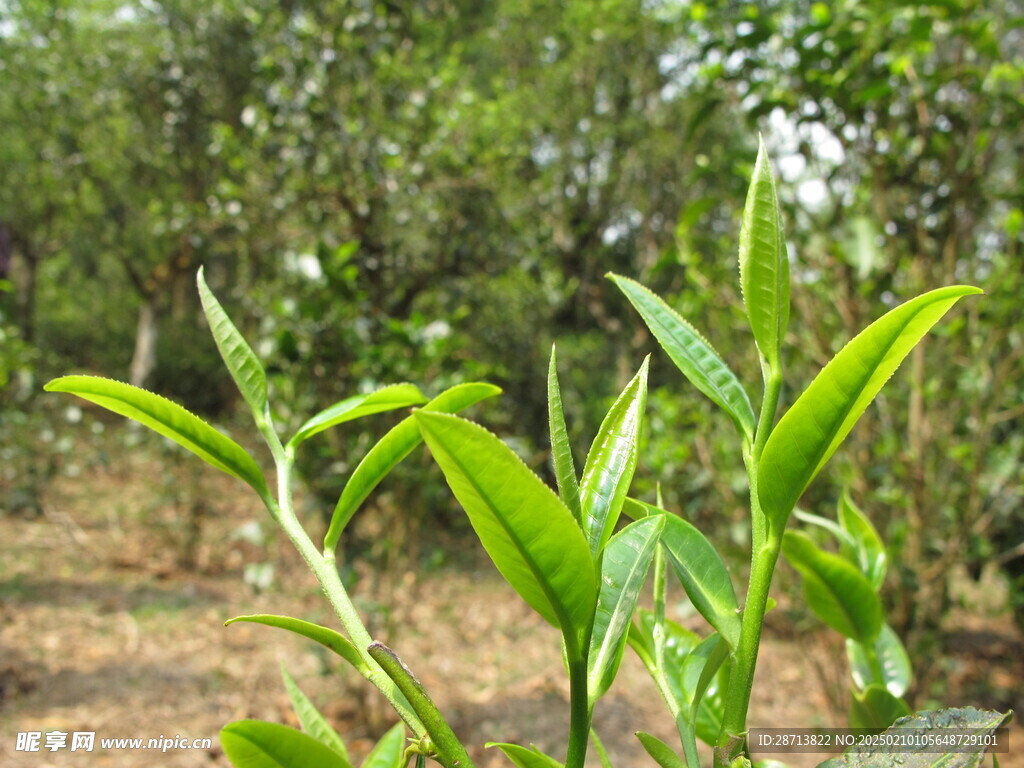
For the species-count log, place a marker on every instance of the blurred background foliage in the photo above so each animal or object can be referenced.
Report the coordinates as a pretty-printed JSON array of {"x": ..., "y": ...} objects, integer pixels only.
[{"x": 433, "y": 191}]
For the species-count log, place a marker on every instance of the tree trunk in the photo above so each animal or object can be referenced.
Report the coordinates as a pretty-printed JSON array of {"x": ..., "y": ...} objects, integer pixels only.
[{"x": 146, "y": 334}]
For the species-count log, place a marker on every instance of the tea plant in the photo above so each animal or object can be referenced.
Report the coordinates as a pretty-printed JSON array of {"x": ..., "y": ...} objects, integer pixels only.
[{"x": 566, "y": 553}]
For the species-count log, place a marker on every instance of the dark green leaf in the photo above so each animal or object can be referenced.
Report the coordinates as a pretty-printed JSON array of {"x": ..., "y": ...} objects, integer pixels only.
[
  {"x": 624, "y": 566},
  {"x": 692, "y": 354},
  {"x": 561, "y": 450},
  {"x": 611, "y": 463},
  {"x": 245, "y": 367},
  {"x": 326, "y": 637},
  {"x": 892, "y": 671},
  {"x": 836, "y": 591},
  {"x": 310, "y": 718},
  {"x": 526, "y": 529},
  {"x": 388, "y": 398},
  {"x": 257, "y": 744},
  {"x": 391, "y": 449},
  {"x": 811, "y": 430},
  {"x": 170, "y": 420},
  {"x": 764, "y": 263}
]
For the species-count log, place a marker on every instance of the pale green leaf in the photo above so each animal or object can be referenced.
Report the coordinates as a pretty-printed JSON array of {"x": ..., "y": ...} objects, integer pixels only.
[
  {"x": 526, "y": 529},
  {"x": 388, "y": 398},
  {"x": 391, "y": 449},
  {"x": 893, "y": 668},
  {"x": 659, "y": 751},
  {"x": 170, "y": 420},
  {"x": 242, "y": 363},
  {"x": 389, "y": 752},
  {"x": 692, "y": 354},
  {"x": 867, "y": 551},
  {"x": 811, "y": 430},
  {"x": 764, "y": 262},
  {"x": 328, "y": 638},
  {"x": 257, "y": 744},
  {"x": 310, "y": 718},
  {"x": 561, "y": 450},
  {"x": 624, "y": 566},
  {"x": 611, "y": 462},
  {"x": 837, "y": 592}
]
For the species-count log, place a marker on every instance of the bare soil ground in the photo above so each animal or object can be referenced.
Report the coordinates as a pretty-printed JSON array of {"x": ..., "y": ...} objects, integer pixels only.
[{"x": 111, "y": 621}]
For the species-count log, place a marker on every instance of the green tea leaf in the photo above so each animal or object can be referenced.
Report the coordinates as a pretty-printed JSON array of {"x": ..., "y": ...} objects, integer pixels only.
[
  {"x": 170, "y": 420},
  {"x": 692, "y": 354},
  {"x": 242, "y": 363},
  {"x": 388, "y": 398},
  {"x": 335, "y": 641},
  {"x": 875, "y": 708},
  {"x": 389, "y": 752},
  {"x": 391, "y": 449},
  {"x": 611, "y": 463},
  {"x": 868, "y": 551},
  {"x": 258, "y": 744},
  {"x": 977, "y": 721},
  {"x": 764, "y": 262},
  {"x": 624, "y": 567},
  {"x": 526, "y": 529},
  {"x": 893, "y": 671},
  {"x": 842, "y": 535},
  {"x": 523, "y": 757},
  {"x": 836, "y": 591},
  {"x": 659, "y": 751},
  {"x": 310, "y": 718},
  {"x": 561, "y": 450},
  {"x": 811, "y": 430},
  {"x": 704, "y": 576}
]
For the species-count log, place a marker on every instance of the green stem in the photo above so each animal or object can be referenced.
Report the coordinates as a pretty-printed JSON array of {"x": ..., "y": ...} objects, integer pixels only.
[{"x": 580, "y": 713}]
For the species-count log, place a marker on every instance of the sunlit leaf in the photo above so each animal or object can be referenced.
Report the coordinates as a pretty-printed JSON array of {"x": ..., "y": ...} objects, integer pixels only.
[
  {"x": 388, "y": 398},
  {"x": 526, "y": 529},
  {"x": 561, "y": 450},
  {"x": 391, "y": 449},
  {"x": 328, "y": 638},
  {"x": 811, "y": 430},
  {"x": 241, "y": 361},
  {"x": 764, "y": 262},
  {"x": 624, "y": 566},
  {"x": 168, "y": 419},
  {"x": 692, "y": 354},
  {"x": 611, "y": 462},
  {"x": 257, "y": 744},
  {"x": 837, "y": 592},
  {"x": 389, "y": 752}
]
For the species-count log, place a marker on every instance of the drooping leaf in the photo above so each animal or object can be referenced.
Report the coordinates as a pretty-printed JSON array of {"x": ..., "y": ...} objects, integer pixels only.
[
  {"x": 523, "y": 757},
  {"x": 692, "y": 354},
  {"x": 624, "y": 567},
  {"x": 310, "y": 718},
  {"x": 526, "y": 529},
  {"x": 893, "y": 671},
  {"x": 764, "y": 262},
  {"x": 170, "y": 420},
  {"x": 868, "y": 550},
  {"x": 388, "y": 398},
  {"x": 704, "y": 576},
  {"x": 258, "y": 744},
  {"x": 837, "y": 592},
  {"x": 389, "y": 752},
  {"x": 328, "y": 638},
  {"x": 391, "y": 449},
  {"x": 242, "y": 363},
  {"x": 561, "y": 450},
  {"x": 611, "y": 462},
  {"x": 659, "y": 751},
  {"x": 811, "y": 430},
  {"x": 923, "y": 755}
]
